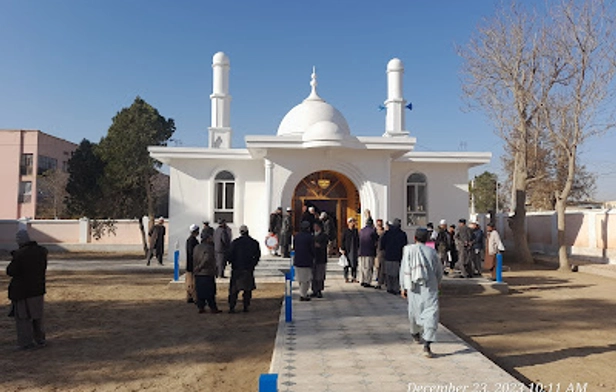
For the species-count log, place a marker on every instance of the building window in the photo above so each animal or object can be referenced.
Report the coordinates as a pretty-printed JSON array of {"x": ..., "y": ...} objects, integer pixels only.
[
  {"x": 416, "y": 200},
  {"x": 25, "y": 192},
  {"x": 224, "y": 193},
  {"x": 46, "y": 163},
  {"x": 27, "y": 162}
]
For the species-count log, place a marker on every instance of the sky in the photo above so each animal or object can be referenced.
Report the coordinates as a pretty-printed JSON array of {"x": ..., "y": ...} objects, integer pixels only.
[{"x": 68, "y": 66}]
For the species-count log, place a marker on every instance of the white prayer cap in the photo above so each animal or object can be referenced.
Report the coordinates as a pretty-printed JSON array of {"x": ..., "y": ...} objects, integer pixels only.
[
  {"x": 289, "y": 209},
  {"x": 311, "y": 209},
  {"x": 161, "y": 219},
  {"x": 442, "y": 222},
  {"x": 193, "y": 228}
]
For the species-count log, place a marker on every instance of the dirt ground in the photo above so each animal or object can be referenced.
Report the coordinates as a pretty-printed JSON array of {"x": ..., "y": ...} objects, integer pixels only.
[
  {"x": 554, "y": 327},
  {"x": 129, "y": 332}
]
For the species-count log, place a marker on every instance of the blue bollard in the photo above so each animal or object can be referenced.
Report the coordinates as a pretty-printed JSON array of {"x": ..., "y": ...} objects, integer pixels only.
[
  {"x": 499, "y": 267},
  {"x": 176, "y": 265},
  {"x": 288, "y": 300},
  {"x": 291, "y": 267},
  {"x": 268, "y": 383}
]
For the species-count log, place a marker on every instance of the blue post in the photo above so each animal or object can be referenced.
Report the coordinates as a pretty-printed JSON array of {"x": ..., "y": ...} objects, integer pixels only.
[
  {"x": 176, "y": 265},
  {"x": 288, "y": 300},
  {"x": 291, "y": 267},
  {"x": 268, "y": 383},
  {"x": 499, "y": 267}
]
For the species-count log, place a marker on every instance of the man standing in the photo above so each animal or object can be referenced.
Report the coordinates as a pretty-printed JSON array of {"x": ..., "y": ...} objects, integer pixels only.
[
  {"x": 320, "y": 261},
  {"x": 244, "y": 255},
  {"x": 393, "y": 242},
  {"x": 464, "y": 238},
  {"x": 442, "y": 244},
  {"x": 379, "y": 263},
  {"x": 303, "y": 244},
  {"x": 308, "y": 215},
  {"x": 453, "y": 252},
  {"x": 275, "y": 227},
  {"x": 207, "y": 230},
  {"x": 222, "y": 241},
  {"x": 350, "y": 248},
  {"x": 495, "y": 246},
  {"x": 157, "y": 241},
  {"x": 330, "y": 232},
  {"x": 204, "y": 270},
  {"x": 477, "y": 249},
  {"x": 420, "y": 277},
  {"x": 368, "y": 241},
  {"x": 191, "y": 242},
  {"x": 27, "y": 290},
  {"x": 286, "y": 232}
]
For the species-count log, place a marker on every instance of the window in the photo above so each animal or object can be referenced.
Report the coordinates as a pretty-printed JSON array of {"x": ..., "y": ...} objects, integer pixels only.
[
  {"x": 46, "y": 163},
  {"x": 416, "y": 200},
  {"x": 224, "y": 193},
  {"x": 25, "y": 192},
  {"x": 27, "y": 162}
]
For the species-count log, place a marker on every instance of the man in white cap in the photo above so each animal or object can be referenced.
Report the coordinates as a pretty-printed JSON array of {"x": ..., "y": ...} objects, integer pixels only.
[
  {"x": 157, "y": 241},
  {"x": 191, "y": 243},
  {"x": 27, "y": 290},
  {"x": 443, "y": 244},
  {"x": 286, "y": 232}
]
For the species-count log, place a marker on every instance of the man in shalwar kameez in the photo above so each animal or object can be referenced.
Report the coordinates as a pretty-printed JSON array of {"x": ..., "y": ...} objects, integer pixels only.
[{"x": 420, "y": 276}]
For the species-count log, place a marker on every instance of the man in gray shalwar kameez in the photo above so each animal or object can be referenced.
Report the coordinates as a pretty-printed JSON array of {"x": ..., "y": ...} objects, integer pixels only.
[{"x": 420, "y": 276}]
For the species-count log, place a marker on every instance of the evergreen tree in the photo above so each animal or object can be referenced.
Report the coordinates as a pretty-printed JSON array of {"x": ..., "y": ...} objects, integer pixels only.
[{"x": 85, "y": 171}]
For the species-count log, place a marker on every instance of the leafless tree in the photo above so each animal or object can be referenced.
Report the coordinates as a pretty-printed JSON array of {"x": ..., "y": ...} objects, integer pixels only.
[
  {"x": 51, "y": 194},
  {"x": 531, "y": 74}
]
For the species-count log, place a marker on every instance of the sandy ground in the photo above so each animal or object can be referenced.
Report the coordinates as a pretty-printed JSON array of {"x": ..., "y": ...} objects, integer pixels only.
[
  {"x": 554, "y": 328},
  {"x": 129, "y": 332}
]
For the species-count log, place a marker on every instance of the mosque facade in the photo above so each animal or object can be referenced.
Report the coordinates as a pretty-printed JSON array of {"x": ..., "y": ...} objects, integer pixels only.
[{"x": 313, "y": 159}]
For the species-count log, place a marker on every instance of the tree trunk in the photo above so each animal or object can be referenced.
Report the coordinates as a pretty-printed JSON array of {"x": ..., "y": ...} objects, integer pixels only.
[
  {"x": 517, "y": 222},
  {"x": 144, "y": 240},
  {"x": 563, "y": 258}
]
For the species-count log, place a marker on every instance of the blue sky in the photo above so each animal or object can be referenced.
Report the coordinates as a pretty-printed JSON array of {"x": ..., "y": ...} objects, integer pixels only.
[{"x": 67, "y": 66}]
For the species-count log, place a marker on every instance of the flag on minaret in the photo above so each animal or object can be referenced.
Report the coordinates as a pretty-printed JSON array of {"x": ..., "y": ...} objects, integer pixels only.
[{"x": 409, "y": 106}]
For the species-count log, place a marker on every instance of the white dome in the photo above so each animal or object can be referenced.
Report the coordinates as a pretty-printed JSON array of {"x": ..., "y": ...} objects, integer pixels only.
[
  {"x": 314, "y": 119},
  {"x": 395, "y": 64},
  {"x": 220, "y": 58}
]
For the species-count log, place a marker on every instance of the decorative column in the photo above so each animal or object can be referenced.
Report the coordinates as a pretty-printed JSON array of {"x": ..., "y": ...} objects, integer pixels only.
[
  {"x": 269, "y": 174},
  {"x": 220, "y": 128},
  {"x": 395, "y": 103}
]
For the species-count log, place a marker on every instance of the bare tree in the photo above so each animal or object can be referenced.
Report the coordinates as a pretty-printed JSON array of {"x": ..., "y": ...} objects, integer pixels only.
[
  {"x": 51, "y": 194},
  {"x": 582, "y": 36},
  {"x": 542, "y": 80}
]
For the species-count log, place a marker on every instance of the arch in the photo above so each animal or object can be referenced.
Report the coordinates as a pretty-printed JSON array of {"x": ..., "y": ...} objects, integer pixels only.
[{"x": 416, "y": 199}]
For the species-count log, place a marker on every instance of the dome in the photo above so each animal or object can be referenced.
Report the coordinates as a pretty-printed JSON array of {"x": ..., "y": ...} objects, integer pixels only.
[
  {"x": 314, "y": 119},
  {"x": 395, "y": 64},
  {"x": 220, "y": 58}
]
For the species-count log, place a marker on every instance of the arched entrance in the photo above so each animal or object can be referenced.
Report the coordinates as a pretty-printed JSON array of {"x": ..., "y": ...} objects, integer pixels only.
[{"x": 327, "y": 191}]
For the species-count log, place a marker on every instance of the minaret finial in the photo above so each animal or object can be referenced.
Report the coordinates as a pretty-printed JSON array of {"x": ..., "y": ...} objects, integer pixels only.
[{"x": 313, "y": 84}]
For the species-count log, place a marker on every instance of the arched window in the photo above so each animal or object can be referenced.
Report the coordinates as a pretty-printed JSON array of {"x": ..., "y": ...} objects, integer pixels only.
[
  {"x": 416, "y": 200},
  {"x": 224, "y": 193}
]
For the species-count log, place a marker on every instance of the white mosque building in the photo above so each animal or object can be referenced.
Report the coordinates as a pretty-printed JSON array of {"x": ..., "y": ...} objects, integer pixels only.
[{"x": 313, "y": 159}]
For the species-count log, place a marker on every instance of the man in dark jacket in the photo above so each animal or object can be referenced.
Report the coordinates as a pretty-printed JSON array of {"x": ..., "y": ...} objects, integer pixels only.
[
  {"x": 222, "y": 241},
  {"x": 244, "y": 255},
  {"x": 393, "y": 242},
  {"x": 320, "y": 261},
  {"x": 286, "y": 232},
  {"x": 368, "y": 242},
  {"x": 464, "y": 243},
  {"x": 207, "y": 230},
  {"x": 157, "y": 241},
  {"x": 191, "y": 242},
  {"x": 27, "y": 290},
  {"x": 204, "y": 271},
  {"x": 303, "y": 244},
  {"x": 329, "y": 229},
  {"x": 275, "y": 226},
  {"x": 477, "y": 248},
  {"x": 442, "y": 244},
  {"x": 350, "y": 248}
]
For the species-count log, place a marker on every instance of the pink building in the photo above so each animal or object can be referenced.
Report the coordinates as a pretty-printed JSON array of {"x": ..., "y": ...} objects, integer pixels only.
[{"x": 25, "y": 154}]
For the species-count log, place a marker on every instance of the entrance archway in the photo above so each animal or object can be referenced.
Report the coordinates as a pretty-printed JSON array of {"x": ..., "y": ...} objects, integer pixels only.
[{"x": 327, "y": 191}]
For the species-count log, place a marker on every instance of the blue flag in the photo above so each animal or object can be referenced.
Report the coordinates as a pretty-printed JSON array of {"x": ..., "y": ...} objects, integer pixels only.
[
  {"x": 381, "y": 108},
  {"x": 409, "y": 106}
]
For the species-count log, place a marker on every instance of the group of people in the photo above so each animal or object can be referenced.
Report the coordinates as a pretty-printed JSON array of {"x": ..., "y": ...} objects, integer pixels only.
[{"x": 207, "y": 254}]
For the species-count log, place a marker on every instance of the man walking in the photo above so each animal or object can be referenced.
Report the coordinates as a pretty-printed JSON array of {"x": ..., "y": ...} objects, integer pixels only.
[
  {"x": 191, "y": 242},
  {"x": 379, "y": 263},
  {"x": 222, "y": 241},
  {"x": 27, "y": 290},
  {"x": 442, "y": 244},
  {"x": 244, "y": 255},
  {"x": 393, "y": 242},
  {"x": 495, "y": 246},
  {"x": 286, "y": 232},
  {"x": 420, "y": 276},
  {"x": 477, "y": 249},
  {"x": 368, "y": 241},
  {"x": 204, "y": 271},
  {"x": 350, "y": 248},
  {"x": 157, "y": 241},
  {"x": 303, "y": 244},
  {"x": 464, "y": 239},
  {"x": 320, "y": 261}
]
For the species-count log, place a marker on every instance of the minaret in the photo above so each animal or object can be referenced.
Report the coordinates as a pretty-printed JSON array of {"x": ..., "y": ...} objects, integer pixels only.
[
  {"x": 220, "y": 128},
  {"x": 395, "y": 104}
]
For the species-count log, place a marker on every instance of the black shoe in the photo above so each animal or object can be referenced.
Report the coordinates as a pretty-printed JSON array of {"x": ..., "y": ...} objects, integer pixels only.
[
  {"x": 232, "y": 310},
  {"x": 41, "y": 343},
  {"x": 313, "y": 294},
  {"x": 215, "y": 311},
  {"x": 378, "y": 287},
  {"x": 367, "y": 285},
  {"x": 319, "y": 295},
  {"x": 416, "y": 338},
  {"x": 304, "y": 299},
  {"x": 190, "y": 301},
  {"x": 428, "y": 352},
  {"x": 246, "y": 310}
]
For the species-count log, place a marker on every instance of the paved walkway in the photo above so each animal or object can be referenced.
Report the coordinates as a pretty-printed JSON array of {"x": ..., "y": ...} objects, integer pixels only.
[{"x": 358, "y": 339}]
